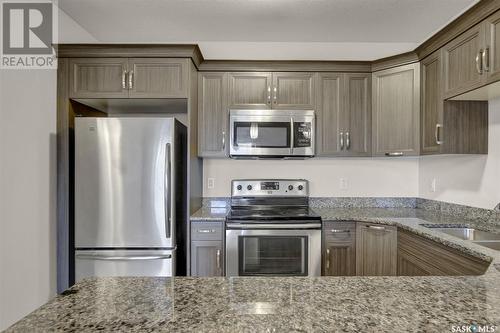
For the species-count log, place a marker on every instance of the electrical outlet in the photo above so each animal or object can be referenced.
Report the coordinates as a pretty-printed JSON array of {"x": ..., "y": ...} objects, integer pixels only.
[
  {"x": 211, "y": 182},
  {"x": 343, "y": 184},
  {"x": 434, "y": 185}
]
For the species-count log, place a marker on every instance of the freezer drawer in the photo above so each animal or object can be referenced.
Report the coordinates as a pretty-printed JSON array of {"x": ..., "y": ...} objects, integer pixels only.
[{"x": 91, "y": 263}]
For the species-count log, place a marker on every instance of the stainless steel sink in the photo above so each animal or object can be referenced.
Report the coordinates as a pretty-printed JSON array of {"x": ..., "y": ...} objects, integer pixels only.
[
  {"x": 495, "y": 245},
  {"x": 470, "y": 234},
  {"x": 483, "y": 238}
]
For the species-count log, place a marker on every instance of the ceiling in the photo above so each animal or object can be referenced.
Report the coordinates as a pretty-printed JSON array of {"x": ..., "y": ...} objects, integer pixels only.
[{"x": 270, "y": 29}]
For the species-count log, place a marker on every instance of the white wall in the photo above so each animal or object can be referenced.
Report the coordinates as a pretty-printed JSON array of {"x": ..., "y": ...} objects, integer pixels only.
[
  {"x": 467, "y": 180},
  {"x": 366, "y": 177},
  {"x": 27, "y": 191},
  {"x": 28, "y": 184}
]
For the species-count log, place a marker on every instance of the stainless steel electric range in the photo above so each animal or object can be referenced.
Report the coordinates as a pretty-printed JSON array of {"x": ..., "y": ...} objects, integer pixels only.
[{"x": 271, "y": 231}]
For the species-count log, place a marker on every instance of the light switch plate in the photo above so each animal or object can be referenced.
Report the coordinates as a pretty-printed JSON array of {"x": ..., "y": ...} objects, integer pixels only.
[
  {"x": 211, "y": 182},
  {"x": 343, "y": 184},
  {"x": 434, "y": 185}
]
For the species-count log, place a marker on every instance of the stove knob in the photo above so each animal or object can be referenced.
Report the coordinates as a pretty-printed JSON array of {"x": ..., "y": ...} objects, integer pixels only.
[
  {"x": 300, "y": 187},
  {"x": 239, "y": 187},
  {"x": 290, "y": 187},
  {"x": 249, "y": 187}
]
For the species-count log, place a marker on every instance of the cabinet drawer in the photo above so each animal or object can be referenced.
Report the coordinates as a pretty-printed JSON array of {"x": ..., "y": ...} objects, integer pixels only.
[
  {"x": 207, "y": 230},
  {"x": 339, "y": 231}
]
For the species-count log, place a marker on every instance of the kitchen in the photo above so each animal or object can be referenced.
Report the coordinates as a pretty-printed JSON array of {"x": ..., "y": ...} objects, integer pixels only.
[{"x": 398, "y": 166}]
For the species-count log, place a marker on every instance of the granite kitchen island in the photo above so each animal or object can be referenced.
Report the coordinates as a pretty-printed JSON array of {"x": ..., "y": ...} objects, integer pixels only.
[
  {"x": 272, "y": 304},
  {"x": 325, "y": 304}
]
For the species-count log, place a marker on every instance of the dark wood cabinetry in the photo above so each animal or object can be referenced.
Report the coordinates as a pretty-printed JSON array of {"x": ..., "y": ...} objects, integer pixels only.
[
  {"x": 396, "y": 111},
  {"x": 431, "y": 117},
  {"x": 212, "y": 114},
  {"x": 207, "y": 250},
  {"x": 339, "y": 252},
  {"x": 421, "y": 256},
  {"x": 343, "y": 114},
  {"x": 376, "y": 249},
  {"x": 128, "y": 78}
]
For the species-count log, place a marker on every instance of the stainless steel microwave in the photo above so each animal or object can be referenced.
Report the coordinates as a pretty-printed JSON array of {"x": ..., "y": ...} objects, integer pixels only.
[{"x": 271, "y": 133}]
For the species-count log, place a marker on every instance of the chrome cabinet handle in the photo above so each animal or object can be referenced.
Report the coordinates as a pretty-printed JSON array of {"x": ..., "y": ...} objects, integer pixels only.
[
  {"x": 124, "y": 80},
  {"x": 479, "y": 65},
  {"x": 394, "y": 154},
  {"x": 275, "y": 95},
  {"x": 327, "y": 259},
  {"x": 223, "y": 140},
  {"x": 347, "y": 140},
  {"x": 268, "y": 94},
  {"x": 168, "y": 184},
  {"x": 131, "y": 80},
  {"x": 339, "y": 231},
  {"x": 292, "y": 137},
  {"x": 437, "y": 134},
  {"x": 206, "y": 231},
  {"x": 218, "y": 259},
  {"x": 486, "y": 60},
  {"x": 341, "y": 140},
  {"x": 374, "y": 227}
]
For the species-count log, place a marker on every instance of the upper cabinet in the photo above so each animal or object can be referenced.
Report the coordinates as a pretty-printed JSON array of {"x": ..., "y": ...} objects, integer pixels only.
[
  {"x": 396, "y": 111},
  {"x": 250, "y": 90},
  {"x": 285, "y": 90},
  {"x": 212, "y": 114},
  {"x": 98, "y": 78},
  {"x": 462, "y": 59},
  {"x": 431, "y": 117},
  {"x": 128, "y": 78},
  {"x": 492, "y": 47},
  {"x": 343, "y": 114},
  {"x": 293, "y": 90}
]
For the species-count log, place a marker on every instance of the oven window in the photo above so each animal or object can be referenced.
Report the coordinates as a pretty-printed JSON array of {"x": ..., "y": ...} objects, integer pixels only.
[
  {"x": 272, "y": 255},
  {"x": 262, "y": 134}
]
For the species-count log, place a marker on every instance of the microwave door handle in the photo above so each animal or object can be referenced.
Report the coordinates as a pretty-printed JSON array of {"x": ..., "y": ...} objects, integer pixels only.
[{"x": 291, "y": 136}]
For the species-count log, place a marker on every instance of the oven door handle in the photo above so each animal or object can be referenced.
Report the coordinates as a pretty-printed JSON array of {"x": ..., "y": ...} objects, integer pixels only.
[{"x": 273, "y": 226}]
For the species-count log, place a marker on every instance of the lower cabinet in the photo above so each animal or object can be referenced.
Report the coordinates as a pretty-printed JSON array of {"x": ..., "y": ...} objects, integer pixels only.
[
  {"x": 376, "y": 249},
  {"x": 207, "y": 249},
  {"x": 339, "y": 253},
  {"x": 421, "y": 256}
]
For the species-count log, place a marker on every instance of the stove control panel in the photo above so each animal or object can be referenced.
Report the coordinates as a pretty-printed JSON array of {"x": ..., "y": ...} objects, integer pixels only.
[{"x": 270, "y": 187}]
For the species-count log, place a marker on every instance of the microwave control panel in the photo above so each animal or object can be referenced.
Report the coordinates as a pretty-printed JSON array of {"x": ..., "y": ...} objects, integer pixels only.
[{"x": 302, "y": 134}]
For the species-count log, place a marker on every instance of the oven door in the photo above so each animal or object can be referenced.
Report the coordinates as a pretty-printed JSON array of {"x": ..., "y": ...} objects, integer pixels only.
[
  {"x": 273, "y": 252},
  {"x": 268, "y": 133}
]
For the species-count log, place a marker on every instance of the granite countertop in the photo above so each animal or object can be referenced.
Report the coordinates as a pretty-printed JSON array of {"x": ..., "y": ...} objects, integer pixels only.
[{"x": 314, "y": 304}]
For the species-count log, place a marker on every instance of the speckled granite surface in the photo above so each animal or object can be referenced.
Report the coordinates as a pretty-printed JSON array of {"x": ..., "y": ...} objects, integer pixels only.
[
  {"x": 327, "y": 304},
  {"x": 295, "y": 304}
]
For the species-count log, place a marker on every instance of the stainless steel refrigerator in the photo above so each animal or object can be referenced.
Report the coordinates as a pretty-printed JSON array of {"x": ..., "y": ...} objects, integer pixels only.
[{"x": 130, "y": 197}]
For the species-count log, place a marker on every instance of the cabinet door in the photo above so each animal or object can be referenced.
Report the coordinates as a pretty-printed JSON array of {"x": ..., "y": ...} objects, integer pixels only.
[
  {"x": 376, "y": 249},
  {"x": 98, "y": 78},
  {"x": 409, "y": 265},
  {"x": 492, "y": 47},
  {"x": 250, "y": 90},
  {"x": 158, "y": 78},
  {"x": 329, "y": 120},
  {"x": 212, "y": 113},
  {"x": 357, "y": 115},
  {"x": 293, "y": 90},
  {"x": 462, "y": 61},
  {"x": 396, "y": 111},
  {"x": 431, "y": 117},
  {"x": 206, "y": 258},
  {"x": 339, "y": 249}
]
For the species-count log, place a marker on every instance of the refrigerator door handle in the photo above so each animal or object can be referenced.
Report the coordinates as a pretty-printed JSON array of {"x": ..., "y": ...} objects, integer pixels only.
[
  {"x": 124, "y": 258},
  {"x": 168, "y": 189}
]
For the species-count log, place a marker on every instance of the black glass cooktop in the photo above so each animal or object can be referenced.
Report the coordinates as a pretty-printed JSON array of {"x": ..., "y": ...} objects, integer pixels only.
[{"x": 278, "y": 213}]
